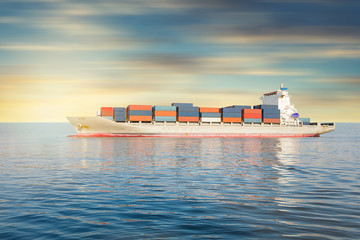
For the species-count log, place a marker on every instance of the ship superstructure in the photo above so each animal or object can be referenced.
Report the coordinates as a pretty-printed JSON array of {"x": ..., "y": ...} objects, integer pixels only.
[{"x": 288, "y": 113}]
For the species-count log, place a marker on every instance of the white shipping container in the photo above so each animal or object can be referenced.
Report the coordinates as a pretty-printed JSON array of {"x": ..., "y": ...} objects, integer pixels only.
[{"x": 210, "y": 119}]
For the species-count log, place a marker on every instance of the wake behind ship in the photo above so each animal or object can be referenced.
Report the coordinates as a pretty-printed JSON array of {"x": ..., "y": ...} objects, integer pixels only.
[{"x": 275, "y": 117}]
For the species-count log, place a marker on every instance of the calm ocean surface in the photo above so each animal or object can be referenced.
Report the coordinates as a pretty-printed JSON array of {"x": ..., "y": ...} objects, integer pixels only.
[{"x": 58, "y": 187}]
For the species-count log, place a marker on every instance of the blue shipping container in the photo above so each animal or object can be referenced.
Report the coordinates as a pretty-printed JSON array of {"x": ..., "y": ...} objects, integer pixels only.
[
  {"x": 241, "y": 106},
  {"x": 252, "y": 120},
  {"x": 165, "y": 119},
  {"x": 271, "y": 111},
  {"x": 304, "y": 120},
  {"x": 231, "y": 110},
  {"x": 188, "y": 114},
  {"x": 120, "y": 114},
  {"x": 271, "y": 115},
  {"x": 188, "y": 109},
  {"x": 139, "y": 113},
  {"x": 266, "y": 106},
  {"x": 108, "y": 117},
  {"x": 119, "y": 119},
  {"x": 232, "y": 114},
  {"x": 164, "y": 108},
  {"x": 182, "y": 104},
  {"x": 119, "y": 109},
  {"x": 206, "y": 114}
]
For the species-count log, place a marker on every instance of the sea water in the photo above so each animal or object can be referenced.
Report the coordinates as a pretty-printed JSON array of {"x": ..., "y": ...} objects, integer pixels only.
[{"x": 57, "y": 187}]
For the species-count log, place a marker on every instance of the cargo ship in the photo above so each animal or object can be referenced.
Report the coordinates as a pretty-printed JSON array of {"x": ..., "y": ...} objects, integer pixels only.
[{"x": 275, "y": 117}]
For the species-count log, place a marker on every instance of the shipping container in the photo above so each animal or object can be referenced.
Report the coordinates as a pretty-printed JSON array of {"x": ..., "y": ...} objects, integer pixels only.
[
  {"x": 188, "y": 114},
  {"x": 119, "y": 114},
  {"x": 259, "y": 111},
  {"x": 232, "y": 114},
  {"x": 106, "y": 111},
  {"x": 164, "y": 108},
  {"x": 140, "y": 107},
  {"x": 182, "y": 104},
  {"x": 209, "y": 110},
  {"x": 165, "y": 119},
  {"x": 140, "y": 118},
  {"x": 119, "y": 118},
  {"x": 139, "y": 113},
  {"x": 210, "y": 114},
  {"x": 266, "y": 106},
  {"x": 239, "y": 107},
  {"x": 210, "y": 119},
  {"x": 232, "y": 119},
  {"x": 304, "y": 120},
  {"x": 271, "y": 110},
  {"x": 231, "y": 110},
  {"x": 187, "y": 109},
  {"x": 271, "y": 115},
  {"x": 271, "y": 120},
  {"x": 109, "y": 117},
  {"x": 165, "y": 113},
  {"x": 252, "y": 120},
  {"x": 188, "y": 119},
  {"x": 252, "y": 115},
  {"x": 119, "y": 109}
]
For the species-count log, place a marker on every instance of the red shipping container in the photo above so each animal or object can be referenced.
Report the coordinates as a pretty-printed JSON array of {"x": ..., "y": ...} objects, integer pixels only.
[
  {"x": 188, "y": 119},
  {"x": 252, "y": 115},
  {"x": 140, "y": 107},
  {"x": 209, "y": 110},
  {"x": 231, "y": 119},
  {"x": 140, "y": 118},
  {"x": 271, "y": 120},
  {"x": 107, "y": 111},
  {"x": 165, "y": 113},
  {"x": 258, "y": 111}
]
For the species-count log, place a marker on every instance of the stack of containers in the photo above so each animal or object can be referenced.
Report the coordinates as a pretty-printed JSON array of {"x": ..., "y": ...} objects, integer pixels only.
[
  {"x": 270, "y": 113},
  {"x": 164, "y": 113},
  {"x": 209, "y": 114},
  {"x": 107, "y": 112},
  {"x": 233, "y": 113},
  {"x": 119, "y": 114},
  {"x": 186, "y": 112},
  {"x": 252, "y": 115},
  {"x": 137, "y": 113},
  {"x": 305, "y": 121}
]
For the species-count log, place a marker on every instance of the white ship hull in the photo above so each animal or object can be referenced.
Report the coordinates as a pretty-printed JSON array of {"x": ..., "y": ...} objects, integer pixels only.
[{"x": 102, "y": 127}]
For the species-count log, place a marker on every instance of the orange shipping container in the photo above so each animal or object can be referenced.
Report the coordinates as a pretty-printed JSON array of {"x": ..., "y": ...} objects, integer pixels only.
[
  {"x": 107, "y": 111},
  {"x": 165, "y": 113},
  {"x": 271, "y": 120},
  {"x": 207, "y": 109},
  {"x": 252, "y": 115},
  {"x": 258, "y": 111},
  {"x": 140, "y": 107},
  {"x": 231, "y": 119},
  {"x": 188, "y": 119},
  {"x": 140, "y": 118}
]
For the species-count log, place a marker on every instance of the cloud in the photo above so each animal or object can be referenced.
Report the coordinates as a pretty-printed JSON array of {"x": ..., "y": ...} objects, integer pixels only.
[
  {"x": 276, "y": 35},
  {"x": 196, "y": 65}
]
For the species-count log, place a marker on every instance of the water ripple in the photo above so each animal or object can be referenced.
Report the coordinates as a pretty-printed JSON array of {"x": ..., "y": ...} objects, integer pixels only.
[{"x": 53, "y": 187}]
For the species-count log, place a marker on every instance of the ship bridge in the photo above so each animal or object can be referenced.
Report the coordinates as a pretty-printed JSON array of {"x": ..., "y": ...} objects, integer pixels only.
[{"x": 281, "y": 98}]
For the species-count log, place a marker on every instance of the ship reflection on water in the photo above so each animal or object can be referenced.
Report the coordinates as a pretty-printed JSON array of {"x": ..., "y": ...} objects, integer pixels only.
[{"x": 249, "y": 163}]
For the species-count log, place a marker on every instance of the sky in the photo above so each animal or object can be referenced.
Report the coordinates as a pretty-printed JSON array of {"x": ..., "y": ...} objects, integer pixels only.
[{"x": 63, "y": 58}]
